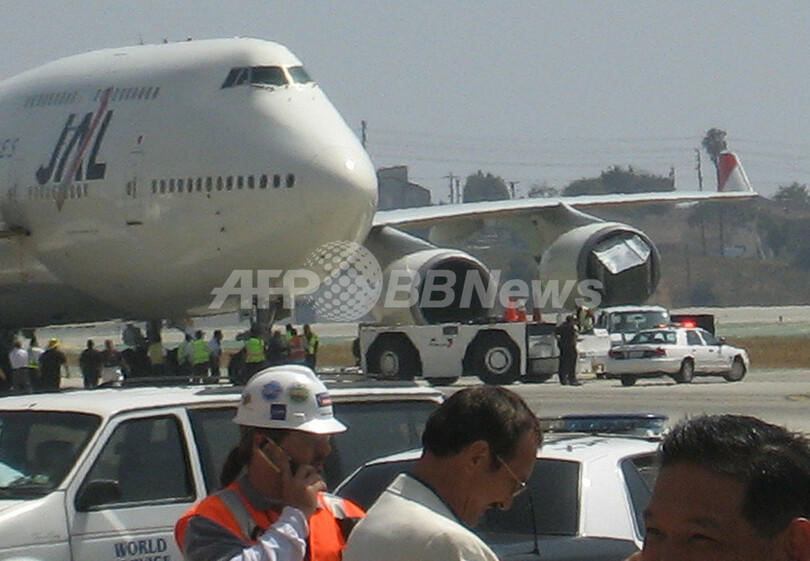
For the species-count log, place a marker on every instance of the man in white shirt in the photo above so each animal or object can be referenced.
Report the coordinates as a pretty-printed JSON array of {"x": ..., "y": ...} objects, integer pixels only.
[
  {"x": 480, "y": 447},
  {"x": 20, "y": 372}
]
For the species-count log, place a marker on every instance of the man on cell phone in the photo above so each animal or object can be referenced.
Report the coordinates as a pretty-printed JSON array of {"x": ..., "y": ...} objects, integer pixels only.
[{"x": 272, "y": 505}]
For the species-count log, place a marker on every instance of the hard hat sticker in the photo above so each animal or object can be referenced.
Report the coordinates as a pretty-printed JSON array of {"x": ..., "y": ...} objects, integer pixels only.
[
  {"x": 299, "y": 393},
  {"x": 324, "y": 399},
  {"x": 272, "y": 390},
  {"x": 278, "y": 411},
  {"x": 245, "y": 398}
]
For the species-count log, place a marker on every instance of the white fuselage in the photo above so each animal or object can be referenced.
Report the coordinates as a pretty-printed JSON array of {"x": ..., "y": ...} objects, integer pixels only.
[{"x": 146, "y": 175}]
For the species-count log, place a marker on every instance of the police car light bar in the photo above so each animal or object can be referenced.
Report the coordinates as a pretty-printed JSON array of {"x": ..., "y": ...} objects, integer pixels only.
[{"x": 645, "y": 425}]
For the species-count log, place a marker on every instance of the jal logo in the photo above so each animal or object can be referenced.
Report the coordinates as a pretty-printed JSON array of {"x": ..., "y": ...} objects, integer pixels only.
[
  {"x": 77, "y": 136},
  {"x": 73, "y": 142}
]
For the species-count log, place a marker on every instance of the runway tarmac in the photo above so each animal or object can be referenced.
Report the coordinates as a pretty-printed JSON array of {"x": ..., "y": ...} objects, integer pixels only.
[{"x": 778, "y": 396}]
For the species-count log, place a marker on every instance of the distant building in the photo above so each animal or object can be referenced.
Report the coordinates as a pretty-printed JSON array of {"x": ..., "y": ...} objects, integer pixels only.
[{"x": 397, "y": 192}]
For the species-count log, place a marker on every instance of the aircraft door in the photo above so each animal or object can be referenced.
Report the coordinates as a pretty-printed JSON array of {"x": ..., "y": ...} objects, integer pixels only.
[{"x": 135, "y": 190}]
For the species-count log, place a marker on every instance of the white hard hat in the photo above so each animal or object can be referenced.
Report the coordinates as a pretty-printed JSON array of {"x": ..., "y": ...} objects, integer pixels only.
[{"x": 287, "y": 397}]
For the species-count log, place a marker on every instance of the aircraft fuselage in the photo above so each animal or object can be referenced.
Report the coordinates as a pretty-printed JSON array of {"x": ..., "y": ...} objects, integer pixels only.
[{"x": 146, "y": 175}]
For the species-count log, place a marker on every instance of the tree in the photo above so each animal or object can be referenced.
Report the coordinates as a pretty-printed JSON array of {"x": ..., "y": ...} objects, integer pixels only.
[
  {"x": 793, "y": 194},
  {"x": 481, "y": 187},
  {"x": 618, "y": 180},
  {"x": 715, "y": 143},
  {"x": 543, "y": 191}
]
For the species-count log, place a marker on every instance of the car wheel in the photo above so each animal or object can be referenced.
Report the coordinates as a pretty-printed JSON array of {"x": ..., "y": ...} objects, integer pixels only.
[
  {"x": 628, "y": 380},
  {"x": 494, "y": 358},
  {"x": 393, "y": 357},
  {"x": 737, "y": 371},
  {"x": 686, "y": 373}
]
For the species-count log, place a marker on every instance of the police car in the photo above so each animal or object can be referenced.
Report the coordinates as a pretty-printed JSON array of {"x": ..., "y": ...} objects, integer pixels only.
[
  {"x": 679, "y": 352},
  {"x": 105, "y": 473},
  {"x": 584, "y": 500}
]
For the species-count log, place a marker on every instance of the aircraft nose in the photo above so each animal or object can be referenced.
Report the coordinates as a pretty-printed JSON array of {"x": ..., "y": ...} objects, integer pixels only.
[{"x": 341, "y": 193}]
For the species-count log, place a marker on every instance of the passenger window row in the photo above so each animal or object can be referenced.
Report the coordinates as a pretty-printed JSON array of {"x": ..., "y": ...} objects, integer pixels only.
[
  {"x": 130, "y": 94},
  {"x": 48, "y": 99},
  {"x": 220, "y": 183},
  {"x": 53, "y": 192}
]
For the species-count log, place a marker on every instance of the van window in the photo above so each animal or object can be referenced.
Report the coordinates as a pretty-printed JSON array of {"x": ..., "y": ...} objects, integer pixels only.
[
  {"x": 39, "y": 448},
  {"x": 216, "y": 434},
  {"x": 144, "y": 461}
]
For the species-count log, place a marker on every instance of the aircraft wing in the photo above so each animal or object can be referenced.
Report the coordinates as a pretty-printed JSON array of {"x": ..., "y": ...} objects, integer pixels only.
[
  {"x": 425, "y": 217},
  {"x": 733, "y": 184}
]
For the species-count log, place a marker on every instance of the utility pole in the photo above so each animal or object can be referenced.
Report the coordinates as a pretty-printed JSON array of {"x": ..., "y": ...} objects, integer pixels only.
[
  {"x": 363, "y": 137},
  {"x": 454, "y": 179},
  {"x": 699, "y": 169}
]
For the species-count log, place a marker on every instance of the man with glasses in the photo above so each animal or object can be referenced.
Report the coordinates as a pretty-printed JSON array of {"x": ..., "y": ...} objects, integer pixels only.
[
  {"x": 272, "y": 505},
  {"x": 479, "y": 450}
]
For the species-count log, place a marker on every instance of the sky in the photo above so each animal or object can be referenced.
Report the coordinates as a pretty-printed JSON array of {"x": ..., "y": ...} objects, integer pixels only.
[{"x": 537, "y": 92}]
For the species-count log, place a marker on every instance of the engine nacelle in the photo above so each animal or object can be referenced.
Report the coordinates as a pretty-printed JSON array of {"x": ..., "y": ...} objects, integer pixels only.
[
  {"x": 622, "y": 259},
  {"x": 425, "y": 284}
]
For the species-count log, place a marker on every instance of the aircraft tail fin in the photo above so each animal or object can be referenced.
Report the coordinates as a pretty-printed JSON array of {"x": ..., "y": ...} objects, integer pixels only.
[{"x": 731, "y": 175}]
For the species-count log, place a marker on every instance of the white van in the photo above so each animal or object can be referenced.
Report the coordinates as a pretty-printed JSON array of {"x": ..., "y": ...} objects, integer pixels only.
[{"x": 104, "y": 474}]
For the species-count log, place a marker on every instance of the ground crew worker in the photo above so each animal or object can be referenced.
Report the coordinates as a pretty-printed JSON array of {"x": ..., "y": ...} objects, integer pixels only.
[
  {"x": 34, "y": 354},
  {"x": 297, "y": 351},
  {"x": 254, "y": 355},
  {"x": 311, "y": 343},
  {"x": 200, "y": 355},
  {"x": 20, "y": 371},
  {"x": 273, "y": 504},
  {"x": 157, "y": 357},
  {"x": 215, "y": 346}
]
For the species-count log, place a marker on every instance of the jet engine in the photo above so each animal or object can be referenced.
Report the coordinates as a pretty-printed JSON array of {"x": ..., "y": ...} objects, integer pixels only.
[
  {"x": 607, "y": 261},
  {"x": 425, "y": 284}
]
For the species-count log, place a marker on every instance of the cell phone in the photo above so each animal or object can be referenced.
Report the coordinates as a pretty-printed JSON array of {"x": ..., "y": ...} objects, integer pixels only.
[{"x": 273, "y": 455}]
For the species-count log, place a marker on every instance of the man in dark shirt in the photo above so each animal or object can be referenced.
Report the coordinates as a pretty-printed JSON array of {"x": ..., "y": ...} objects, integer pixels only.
[
  {"x": 90, "y": 364},
  {"x": 566, "y": 334},
  {"x": 50, "y": 365}
]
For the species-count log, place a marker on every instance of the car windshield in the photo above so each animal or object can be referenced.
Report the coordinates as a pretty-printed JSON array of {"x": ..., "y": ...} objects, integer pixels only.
[
  {"x": 654, "y": 338},
  {"x": 39, "y": 448},
  {"x": 632, "y": 322},
  {"x": 553, "y": 497},
  {"x": 375, "y": 429}
]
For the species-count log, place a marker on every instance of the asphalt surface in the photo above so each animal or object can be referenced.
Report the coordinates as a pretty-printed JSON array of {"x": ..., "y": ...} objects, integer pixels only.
[{"x": 778, "y": 396}]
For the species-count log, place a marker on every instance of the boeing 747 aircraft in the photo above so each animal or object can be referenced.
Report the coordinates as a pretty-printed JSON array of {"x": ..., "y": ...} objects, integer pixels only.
[{"x": 133, "y": 181}]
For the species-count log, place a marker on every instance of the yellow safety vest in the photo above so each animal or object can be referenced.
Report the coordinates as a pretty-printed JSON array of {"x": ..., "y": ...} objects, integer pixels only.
[
  {"x": 156, "y": 353},
  {"x": 200, "y": 353},
  {"x": 254, "y": 348},
  {"x": 312, "y": 344}
]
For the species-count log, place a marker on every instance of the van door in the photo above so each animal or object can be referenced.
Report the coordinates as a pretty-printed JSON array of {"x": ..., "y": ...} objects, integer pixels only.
[{"x": 124, "y": 506}]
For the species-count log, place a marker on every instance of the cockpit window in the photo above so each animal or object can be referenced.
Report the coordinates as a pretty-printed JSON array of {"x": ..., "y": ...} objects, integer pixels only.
[
  {"x": 267, "y": 76},
  {"x": 299, "y": 75},
  {"x": 237, "y": 77}
]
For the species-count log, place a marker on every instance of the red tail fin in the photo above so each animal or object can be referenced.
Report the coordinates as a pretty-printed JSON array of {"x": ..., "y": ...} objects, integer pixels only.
[{"x": 731, "y": 175}]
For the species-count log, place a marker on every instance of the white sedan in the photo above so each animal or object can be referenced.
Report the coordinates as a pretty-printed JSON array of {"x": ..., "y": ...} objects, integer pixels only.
[
  {"x": 680, "y": 352},
  {"x": 584, "y": 500}
]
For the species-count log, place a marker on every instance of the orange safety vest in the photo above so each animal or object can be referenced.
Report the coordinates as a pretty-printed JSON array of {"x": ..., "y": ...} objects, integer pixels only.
[
  {"x": 298, "y": 351},
  {"x": 230, "y": 509}
]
